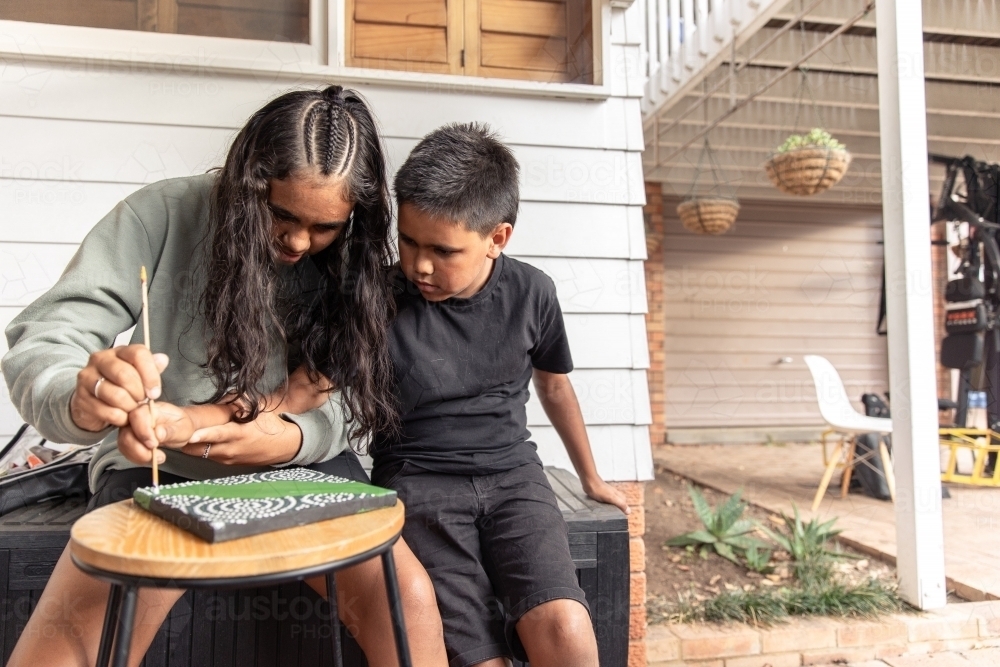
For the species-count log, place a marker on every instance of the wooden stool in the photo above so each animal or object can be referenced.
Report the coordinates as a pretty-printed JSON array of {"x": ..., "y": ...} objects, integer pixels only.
[{"x": 130, "y": 548}]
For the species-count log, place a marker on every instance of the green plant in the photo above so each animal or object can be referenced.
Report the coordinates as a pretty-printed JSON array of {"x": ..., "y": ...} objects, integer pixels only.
[
  {"x": 725, "y": 529},
  {"x": 815, "y": 137},
  {"x": 759, "y": 559},
  {"x": 807, "y": 544},
  {"x": 769, "y": 606}
]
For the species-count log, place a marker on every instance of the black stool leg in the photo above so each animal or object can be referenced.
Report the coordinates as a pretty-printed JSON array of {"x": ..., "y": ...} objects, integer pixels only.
[
  {"x": 331, "y": 596},
  {"x": 125, "y": 624},
  {"x": 396, "y": 609},
  {"x": 110, "y": 623}
]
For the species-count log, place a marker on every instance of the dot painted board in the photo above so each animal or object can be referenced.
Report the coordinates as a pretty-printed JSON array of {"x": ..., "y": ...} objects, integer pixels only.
[{"x": 228, "y": 508}]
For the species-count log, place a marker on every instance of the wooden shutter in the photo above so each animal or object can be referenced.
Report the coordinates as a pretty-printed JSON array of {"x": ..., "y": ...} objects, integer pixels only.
[
  {"x": 415, "y": 35},
  {"x": 541, "y": 40}
]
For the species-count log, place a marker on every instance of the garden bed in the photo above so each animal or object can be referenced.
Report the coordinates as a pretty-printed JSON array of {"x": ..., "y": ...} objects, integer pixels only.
[{"x": 678, "y": 577}]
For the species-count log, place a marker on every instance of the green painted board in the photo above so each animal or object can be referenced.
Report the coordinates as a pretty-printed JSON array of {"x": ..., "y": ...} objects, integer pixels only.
[{"x": 228, "y": 508}]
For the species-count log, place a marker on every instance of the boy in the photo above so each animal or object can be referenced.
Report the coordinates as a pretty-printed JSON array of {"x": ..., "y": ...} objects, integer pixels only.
[{"x": 472, "y": 327}]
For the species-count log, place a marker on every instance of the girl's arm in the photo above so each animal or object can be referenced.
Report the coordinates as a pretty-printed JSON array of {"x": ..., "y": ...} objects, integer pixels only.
[
  {"x": 58, "y": 345},
  {"x": 279, "y": 438},
  {"x": 299, "y": 424},
  {"x": 173, "y": 426},
  {"x": 559, "y": 402},
  {"x": 176, "y": 425}
]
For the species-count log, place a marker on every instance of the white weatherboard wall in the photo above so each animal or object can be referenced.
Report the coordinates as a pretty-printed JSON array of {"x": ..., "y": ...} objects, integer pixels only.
[{"x": 78, "y": 137}]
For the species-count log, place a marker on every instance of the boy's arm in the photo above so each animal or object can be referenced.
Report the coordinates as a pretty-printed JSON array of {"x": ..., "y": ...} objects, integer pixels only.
[
  {"x": 559, "y": 402},
  {"x": 300, "y": 423},
  {"x": 301, "y": 394}
]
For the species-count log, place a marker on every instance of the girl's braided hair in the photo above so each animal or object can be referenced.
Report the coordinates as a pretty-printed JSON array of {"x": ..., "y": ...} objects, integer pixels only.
[{"x": 342, "y": 334}]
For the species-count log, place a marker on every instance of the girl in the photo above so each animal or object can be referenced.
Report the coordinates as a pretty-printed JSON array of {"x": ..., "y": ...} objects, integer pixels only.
[{"x": 275, "y": 262}]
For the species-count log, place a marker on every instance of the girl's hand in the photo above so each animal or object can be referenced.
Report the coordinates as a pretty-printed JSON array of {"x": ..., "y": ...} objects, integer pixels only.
[
  {"x": 603, "y": 492},
  {"x": 268, "y": 440},
  {"x": 112, "y": 385},
  {"x": 141, "y": 436},
  {"x": 174, "y": 426}
]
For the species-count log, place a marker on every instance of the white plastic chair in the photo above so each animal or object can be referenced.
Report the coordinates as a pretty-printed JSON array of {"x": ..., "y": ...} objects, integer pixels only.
[{"x": 847, "y": 423}]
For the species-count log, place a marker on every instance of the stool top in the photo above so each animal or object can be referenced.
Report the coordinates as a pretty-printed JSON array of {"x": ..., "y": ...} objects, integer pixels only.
[{"x": 125, "y": 539}]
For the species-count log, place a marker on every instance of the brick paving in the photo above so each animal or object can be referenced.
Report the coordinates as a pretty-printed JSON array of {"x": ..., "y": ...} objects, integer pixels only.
[
  {"x": 985, "y": 657},
  {"x": 962, "y": 635}
]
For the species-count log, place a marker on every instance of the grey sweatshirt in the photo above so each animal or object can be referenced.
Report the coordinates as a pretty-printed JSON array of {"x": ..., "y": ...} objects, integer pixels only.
[{"x": 162, "y": 227}]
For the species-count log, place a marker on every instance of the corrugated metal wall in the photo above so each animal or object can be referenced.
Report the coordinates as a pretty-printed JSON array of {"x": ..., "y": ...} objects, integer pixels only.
[{"x": 788, "y": 280}]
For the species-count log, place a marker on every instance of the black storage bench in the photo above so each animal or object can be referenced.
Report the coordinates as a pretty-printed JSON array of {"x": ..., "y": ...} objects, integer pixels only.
[{"x": 285, "y": 626}]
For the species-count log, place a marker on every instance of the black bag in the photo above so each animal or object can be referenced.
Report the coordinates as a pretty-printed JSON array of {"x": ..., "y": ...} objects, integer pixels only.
[
  {"x": 869, "y": 474},
  {"x": 64, "y": 476},
  {"x": 963, "y": 350},
  {"x": 966, "y": 288}
]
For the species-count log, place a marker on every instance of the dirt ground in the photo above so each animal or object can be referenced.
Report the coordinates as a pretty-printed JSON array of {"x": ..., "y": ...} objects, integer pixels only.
[{"x": 674, "y": 573}]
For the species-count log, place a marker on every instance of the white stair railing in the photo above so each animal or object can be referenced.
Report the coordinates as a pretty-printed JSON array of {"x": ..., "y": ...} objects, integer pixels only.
[{"x": 687, "y": 39}]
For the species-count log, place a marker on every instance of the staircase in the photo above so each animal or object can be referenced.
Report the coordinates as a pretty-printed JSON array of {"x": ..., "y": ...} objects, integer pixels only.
[{"x": 687, "y": 39}]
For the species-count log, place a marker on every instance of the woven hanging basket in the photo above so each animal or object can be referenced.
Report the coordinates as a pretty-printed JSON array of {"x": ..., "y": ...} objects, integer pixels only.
[
  {"x": 708, "y": 215},
  {"x": 808, "y": 170}
]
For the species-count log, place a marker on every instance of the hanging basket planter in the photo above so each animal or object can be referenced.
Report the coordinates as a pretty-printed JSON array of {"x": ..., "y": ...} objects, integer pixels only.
[
  {"x": 808, "y": 165},
  {"x": 713, "y": 212},
  {"x": 708, "y": 215}
]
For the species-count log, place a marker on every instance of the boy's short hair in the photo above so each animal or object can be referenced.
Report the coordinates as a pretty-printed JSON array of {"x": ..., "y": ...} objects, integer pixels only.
[{"x": 462, "y": 171}]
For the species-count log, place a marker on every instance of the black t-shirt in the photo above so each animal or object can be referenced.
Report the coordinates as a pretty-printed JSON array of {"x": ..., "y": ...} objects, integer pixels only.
[{"x": 462, "y": 369}]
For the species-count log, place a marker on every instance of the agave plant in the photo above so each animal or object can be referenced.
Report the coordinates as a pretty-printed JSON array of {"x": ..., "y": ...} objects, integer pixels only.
[
  {"x": 806, "y": 542},
  {"x": 759, "y": 559},
  {"x": 724, "y": 528}
]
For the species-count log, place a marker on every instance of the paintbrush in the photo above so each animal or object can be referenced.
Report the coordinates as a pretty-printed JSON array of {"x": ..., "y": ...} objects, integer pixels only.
[{"x": 145, "y": 335}]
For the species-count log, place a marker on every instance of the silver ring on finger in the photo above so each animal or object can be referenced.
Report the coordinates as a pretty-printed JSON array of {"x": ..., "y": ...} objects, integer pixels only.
[
  {"x": 204, "y": 454},
  {"x": 97, "y": 387}
]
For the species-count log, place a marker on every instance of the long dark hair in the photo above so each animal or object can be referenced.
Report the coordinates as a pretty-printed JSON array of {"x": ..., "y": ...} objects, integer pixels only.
[{"x": 342, "y": 334}]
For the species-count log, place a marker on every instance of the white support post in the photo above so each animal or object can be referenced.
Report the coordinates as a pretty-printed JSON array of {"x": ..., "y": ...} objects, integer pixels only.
[{"x": 906, "y": 223}]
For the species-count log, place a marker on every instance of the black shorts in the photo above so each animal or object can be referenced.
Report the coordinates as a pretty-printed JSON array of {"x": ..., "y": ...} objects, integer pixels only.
[
  {"x": 495, "y": 546},
  {"x": 116, "y": 485}
]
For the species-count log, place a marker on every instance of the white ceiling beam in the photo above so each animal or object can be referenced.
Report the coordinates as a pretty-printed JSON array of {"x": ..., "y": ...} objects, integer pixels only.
[
  {"x": 856, "y": 54},
  {"x": 854, "y": 88},
  {"x": 972, "y": 18},
  {"x": 786, "y": 116},
  {"x": 864, "y": 149}
]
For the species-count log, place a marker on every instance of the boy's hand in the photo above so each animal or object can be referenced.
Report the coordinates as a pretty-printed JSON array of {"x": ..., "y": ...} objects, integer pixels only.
[
  {"x": 603, "y": 492},
  {"x": 300, "y": 394},
  {"x": 558, "y": 399}
]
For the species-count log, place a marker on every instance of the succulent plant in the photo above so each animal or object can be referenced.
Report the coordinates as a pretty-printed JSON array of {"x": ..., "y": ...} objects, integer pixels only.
[
  {"x": 725, "y": 530},
  {"x": 816, "y": 137}
]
